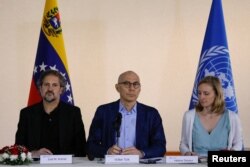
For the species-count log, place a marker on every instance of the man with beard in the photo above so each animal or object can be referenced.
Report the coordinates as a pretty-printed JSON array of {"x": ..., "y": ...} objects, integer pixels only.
[
  {"x": 126, "y": 127},
  {"x": 51, "y": 126}
]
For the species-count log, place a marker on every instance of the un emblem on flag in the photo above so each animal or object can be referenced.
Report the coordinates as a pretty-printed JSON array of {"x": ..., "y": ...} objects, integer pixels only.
[{"x": 215, "y": 62}]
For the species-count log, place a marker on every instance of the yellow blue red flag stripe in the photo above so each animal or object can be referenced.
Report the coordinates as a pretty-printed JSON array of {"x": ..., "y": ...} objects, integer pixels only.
[{"x": 50, "y": 53}]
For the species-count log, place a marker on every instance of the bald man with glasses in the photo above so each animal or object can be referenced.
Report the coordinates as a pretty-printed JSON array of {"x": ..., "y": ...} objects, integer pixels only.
[{"x": 126, "y": 127}]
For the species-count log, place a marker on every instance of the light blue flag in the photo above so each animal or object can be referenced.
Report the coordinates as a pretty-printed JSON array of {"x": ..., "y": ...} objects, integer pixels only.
[{"x": 214, "y": 58}]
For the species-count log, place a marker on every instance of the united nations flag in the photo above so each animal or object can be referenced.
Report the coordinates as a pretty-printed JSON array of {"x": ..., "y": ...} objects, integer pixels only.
[{"x": 214, "y": 58}]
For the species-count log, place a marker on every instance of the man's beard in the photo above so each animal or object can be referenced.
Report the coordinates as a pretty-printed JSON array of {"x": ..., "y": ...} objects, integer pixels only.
[{"x": 49, "y": 97}]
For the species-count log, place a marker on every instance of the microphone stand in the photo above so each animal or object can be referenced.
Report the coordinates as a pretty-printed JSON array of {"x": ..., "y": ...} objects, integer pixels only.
[
  {"x": 117, "y": 137},
  {"x": 118, "y": 121}
]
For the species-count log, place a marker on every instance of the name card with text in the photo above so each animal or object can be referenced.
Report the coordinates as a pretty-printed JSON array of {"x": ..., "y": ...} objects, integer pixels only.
[
  {"x": 56, "y": 159},
  {"x": 121, "y": 159},
  {"x": 182, "y": 159}
]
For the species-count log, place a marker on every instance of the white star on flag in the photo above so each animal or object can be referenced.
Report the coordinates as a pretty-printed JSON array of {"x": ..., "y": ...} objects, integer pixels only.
[
  {"x": 70, "y": 98},
  {"x": 64, "y": 75},
  {"x": 53, "y": 68},
  {"x": 42, "y": 67},
  {"x": 35, "y": 70},
  {"x": 67, "y": 87}
]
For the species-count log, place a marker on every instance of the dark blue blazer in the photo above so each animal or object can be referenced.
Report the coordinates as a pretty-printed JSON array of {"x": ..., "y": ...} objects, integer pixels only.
[
  {"x": 71, "y": 129},
  {"x": 150, "y": 137}
]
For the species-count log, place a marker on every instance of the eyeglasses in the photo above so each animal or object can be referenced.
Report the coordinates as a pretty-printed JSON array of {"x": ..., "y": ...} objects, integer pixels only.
[{"x": 128, "y": 84}]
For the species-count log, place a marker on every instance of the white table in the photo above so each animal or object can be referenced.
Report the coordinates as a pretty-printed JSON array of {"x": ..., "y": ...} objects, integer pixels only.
[{"x": 81, "y": 162}]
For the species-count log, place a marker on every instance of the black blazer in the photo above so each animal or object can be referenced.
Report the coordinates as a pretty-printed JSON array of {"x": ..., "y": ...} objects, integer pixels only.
[
  {"x": 150, "y": 137},
  {"x": 72, "y": 138}
]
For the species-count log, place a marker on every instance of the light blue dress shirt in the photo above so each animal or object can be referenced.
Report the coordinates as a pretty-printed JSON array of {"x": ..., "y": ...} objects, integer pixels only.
[
  {"x": 128, "y": 127},
  {"x": 214, "y": 141}
]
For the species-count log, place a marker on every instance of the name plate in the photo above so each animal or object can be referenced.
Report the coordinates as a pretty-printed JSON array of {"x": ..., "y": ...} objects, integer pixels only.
[
  {"x": 121, "y": 159},
  {"x": 56, "y": 159},
  {"x": 182, "y": 159}
]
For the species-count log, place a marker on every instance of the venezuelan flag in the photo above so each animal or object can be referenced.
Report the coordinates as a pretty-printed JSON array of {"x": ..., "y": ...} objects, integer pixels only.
[{"x": 50, "y": 53}]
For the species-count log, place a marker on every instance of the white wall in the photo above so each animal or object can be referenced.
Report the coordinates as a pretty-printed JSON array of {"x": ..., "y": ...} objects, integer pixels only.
[{"x": 161, "y": 40}]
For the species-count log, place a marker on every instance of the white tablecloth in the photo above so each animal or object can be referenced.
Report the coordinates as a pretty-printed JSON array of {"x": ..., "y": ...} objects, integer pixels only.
[{"x": 81, "y": 162}]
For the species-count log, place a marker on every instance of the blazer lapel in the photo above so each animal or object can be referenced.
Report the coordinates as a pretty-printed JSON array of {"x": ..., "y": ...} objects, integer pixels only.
[
  {"x": 62, "y": 126},
  {"x": 140, "y": 121},
  {"x": 35, "y": 136},
  {"x": 114, "y": 110}
]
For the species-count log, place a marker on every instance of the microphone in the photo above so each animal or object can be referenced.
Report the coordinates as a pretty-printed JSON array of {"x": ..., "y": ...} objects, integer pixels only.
[
  {"x": 90, "y": 157},
  {"x": 117, "y": 125}
]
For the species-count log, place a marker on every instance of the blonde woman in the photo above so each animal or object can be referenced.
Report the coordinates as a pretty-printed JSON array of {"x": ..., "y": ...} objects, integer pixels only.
[{"x": 210, "y": 126}]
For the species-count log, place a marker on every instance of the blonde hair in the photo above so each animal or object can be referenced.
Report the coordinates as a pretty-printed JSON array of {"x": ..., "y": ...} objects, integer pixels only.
[{"x": 219, "y": 103}]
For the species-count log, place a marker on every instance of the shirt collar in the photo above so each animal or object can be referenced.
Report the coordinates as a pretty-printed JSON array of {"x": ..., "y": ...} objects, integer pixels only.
[{"x": 123, "y": 110}]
